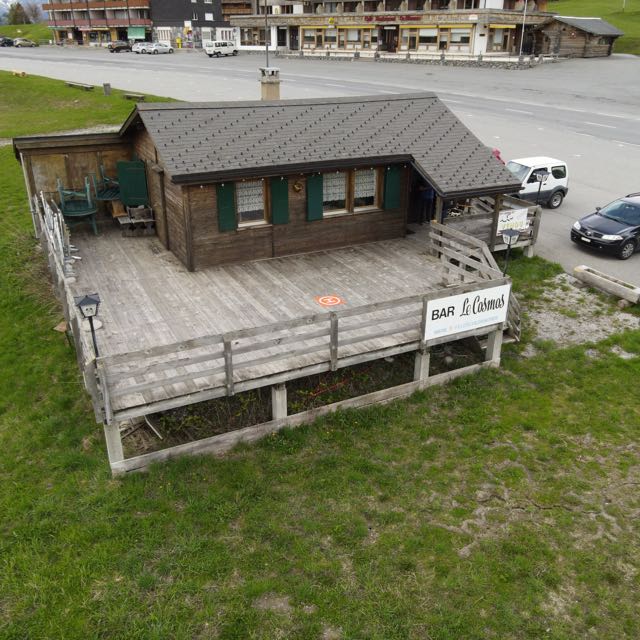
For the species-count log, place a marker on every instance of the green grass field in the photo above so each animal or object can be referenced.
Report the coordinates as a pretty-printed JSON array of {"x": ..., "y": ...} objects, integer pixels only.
[
  {"x": 22, "y": 112},
  {"x": 504, "y": 505},
  {"x": 39, "y": 32},
  {"x": 611, "y": 11}
]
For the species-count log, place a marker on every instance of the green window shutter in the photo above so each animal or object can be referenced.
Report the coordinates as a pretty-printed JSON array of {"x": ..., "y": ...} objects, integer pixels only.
[
  {"x": 314, "y": 197},
  {"x": 227, "y": 206},
  {"x": 391, "y": 188},
  {"x": 132, "y": 178},
  {"x": 279, "y": 200}
]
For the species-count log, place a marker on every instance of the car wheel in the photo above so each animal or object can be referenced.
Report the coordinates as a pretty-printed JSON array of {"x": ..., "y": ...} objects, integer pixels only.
[
  {"x": 627, "y": 250},
  {"x": 235, "y": 53},
  {"x": 555, "y": 200},
  {"x": 155, "y": 51},
  {"x": 217, "y": 54},
  {"x": 111, "y": 51},
  {"x": 170, "y": 50},
  {"x": 143, "y": 51},
  {"x": 210, "y": 55}
]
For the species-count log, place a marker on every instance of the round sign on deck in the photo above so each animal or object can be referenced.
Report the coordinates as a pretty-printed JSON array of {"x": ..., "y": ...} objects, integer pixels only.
[{"x": 329, "y": 301}]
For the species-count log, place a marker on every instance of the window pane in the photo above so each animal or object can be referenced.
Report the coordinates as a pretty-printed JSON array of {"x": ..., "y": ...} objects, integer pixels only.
[
  {"x": 334, "y": 189},
  {"x": 250, "y": 201},
  {"x": 364, "y": 194}
]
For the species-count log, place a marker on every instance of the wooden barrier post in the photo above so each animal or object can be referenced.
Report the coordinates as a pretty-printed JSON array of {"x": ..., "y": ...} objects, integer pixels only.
[
  {"x": 421, "y": 366},
  {"x": 494, "y": 347},
  {"x": 114, "y": 442},
  {"x": 279, "y": 401}
]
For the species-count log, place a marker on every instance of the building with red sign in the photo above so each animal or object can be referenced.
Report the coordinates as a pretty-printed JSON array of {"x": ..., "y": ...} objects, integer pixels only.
[{"x": 394, "y": 26}]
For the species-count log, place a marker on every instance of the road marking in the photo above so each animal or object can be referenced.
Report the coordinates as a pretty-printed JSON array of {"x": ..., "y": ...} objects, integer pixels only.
[
  {"x": 597, "y": 124},
  {"x": 529, "y": 113},
  {"x": 452, "y": 101},
  {"x": 586, "y": 135},
  {"x": 632, "y": 144},
  {"x": 339, "y": 86}
]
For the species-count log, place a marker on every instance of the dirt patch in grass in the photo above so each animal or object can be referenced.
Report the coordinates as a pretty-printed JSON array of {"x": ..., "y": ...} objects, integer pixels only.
[{"x": 568, "y": 313}]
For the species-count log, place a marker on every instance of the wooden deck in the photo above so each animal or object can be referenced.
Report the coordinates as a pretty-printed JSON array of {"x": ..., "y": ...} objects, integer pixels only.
[{"x": 171, "y": 337}]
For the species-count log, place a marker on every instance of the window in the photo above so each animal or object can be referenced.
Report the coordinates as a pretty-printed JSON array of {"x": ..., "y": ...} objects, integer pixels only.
[
  {"x": 342, "y": 192},
  {"x": 250, "y": 202},
  {"x": 208, "y": 16},
  {"x": 364, "y": 189},
  {"x": 460, "y": 36},
  {"x": 194, "y": 17},
  {"x": 559, "y": 172},
  {"x": 334, "y": 192},
  {"x": 428, "y": 36}
]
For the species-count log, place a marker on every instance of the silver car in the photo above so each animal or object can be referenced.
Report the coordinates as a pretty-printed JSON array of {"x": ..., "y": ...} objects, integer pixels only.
[
  {"x": 159, "y": 47},
  {"x": 140, "y": 47}
]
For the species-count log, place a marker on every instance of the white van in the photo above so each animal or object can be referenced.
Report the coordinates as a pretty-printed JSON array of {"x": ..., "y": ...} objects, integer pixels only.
[
  {"x": 219, "y": 48},
  {"x": 551, "y": 189}
]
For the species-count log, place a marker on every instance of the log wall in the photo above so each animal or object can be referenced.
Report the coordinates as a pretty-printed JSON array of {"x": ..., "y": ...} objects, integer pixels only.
[{"x": 213, "y": 247}]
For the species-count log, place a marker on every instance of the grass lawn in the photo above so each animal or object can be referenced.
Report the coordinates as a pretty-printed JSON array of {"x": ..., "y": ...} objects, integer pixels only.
[
  {"x": 22, "y": 112},
  {"x": 36, "y": 32},
  {"x": 504, "y": 505},
  {"x": 611, "y": 11}
]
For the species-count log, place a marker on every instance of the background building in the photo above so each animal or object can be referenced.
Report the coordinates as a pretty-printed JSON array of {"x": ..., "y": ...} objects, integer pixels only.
[{"x": 99, "y": 21}]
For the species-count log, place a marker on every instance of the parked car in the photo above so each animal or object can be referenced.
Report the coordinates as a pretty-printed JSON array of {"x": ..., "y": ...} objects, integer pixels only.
[
  {"x": 118, "y": 45},
  {"x": 159, "y": 47},
  {"x": 219, "y": 48},
  {"x": 553, "y": 185},
  {"x": 613, "y": 229},
  {"x": 140, "y": 47},
  {"x": 24, "y": 42},
  {"x": 6, "y": 42}
]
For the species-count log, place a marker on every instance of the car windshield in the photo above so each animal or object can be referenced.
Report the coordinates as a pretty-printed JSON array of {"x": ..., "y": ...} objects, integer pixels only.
[
  {"x": 520, "y": 171},
  {"x": 622, "y": 211}
]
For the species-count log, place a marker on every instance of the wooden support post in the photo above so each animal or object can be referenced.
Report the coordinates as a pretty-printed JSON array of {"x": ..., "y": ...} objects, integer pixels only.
[
  {"x": 494, "y": 346},
  {"x": 333, "y": 342},
  {"x": 439, "y": 210},
  {"x": 497, "y": 205},
  {"x": 228, "y": 366},
  {"x": 421, "y": 367},
  {"x": 279, "y": 401},
  {"x": 114, "y": 442}
]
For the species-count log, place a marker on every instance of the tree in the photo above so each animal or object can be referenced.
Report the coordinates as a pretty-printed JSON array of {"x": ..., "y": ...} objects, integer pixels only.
[
  {"x": 33, "y": 11},
  {"x": 17, "y": 14}
]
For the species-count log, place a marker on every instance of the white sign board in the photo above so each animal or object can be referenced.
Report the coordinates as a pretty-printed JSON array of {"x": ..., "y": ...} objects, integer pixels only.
[
  {"x": 513, "y": 219},
  {"x": 466, "y": 311}
]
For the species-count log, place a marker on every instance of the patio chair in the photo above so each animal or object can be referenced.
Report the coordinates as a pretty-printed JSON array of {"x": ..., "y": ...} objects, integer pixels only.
[
  {"x": 106, "y": 189},
  {"x": 76, "y": 206}
]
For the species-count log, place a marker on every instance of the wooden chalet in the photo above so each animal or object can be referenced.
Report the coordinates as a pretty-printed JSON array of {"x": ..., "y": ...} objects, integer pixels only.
[
  {"x": 267, "y": 241},
  {"x": 576, "y": 37}
]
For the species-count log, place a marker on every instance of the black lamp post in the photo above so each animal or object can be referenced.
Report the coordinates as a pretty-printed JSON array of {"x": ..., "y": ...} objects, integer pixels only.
[
  {"x": 541, "y": 175},
  {"x": 509, "y": 237},
  {"x": 88, "y": 305}
]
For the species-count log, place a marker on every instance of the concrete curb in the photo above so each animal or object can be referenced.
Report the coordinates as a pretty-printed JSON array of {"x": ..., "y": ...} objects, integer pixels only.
[{"x": 607, "y": 283}]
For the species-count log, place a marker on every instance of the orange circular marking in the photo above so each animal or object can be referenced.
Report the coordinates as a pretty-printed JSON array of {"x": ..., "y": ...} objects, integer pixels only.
[{"x": 329, "y": 301}]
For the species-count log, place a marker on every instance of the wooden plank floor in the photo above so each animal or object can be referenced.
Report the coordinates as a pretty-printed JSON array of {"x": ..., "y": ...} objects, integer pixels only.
[{"x": 150, "y": 299}]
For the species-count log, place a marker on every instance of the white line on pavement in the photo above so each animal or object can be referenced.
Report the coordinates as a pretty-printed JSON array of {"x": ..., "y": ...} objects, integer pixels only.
[
  {"x": 529, "y": 113},
  {"x": 597, "y": 124}
]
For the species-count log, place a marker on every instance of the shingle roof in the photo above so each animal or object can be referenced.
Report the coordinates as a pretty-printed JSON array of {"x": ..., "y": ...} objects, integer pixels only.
[
  {"x": 215, "y": 141},
  {"x": 596, "y": 26}
]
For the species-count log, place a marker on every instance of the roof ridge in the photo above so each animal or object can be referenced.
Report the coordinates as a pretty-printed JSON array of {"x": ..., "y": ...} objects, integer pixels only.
[{"x": 182, "y": 106}]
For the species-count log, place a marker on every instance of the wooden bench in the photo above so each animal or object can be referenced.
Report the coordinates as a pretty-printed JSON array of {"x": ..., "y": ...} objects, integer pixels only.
[
  {"x": 138, "y": 97},
  {"x": 80, "y": 85}
]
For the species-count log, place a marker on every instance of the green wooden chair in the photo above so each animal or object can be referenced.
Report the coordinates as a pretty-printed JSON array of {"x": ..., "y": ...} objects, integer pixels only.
[
  {"x": 105, "y": 189},
  {"x": 78, "y": 206}
]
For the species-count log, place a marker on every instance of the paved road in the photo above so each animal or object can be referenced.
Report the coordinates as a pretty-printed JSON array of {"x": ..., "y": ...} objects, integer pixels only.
[{"x": 583, "y": 111}]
